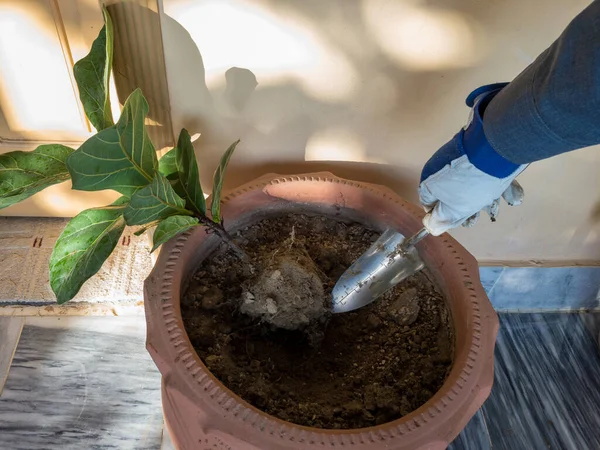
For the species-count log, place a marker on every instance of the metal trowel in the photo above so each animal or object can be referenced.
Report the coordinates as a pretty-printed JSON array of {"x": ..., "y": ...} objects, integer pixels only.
[{"x": 391, "y": 259}]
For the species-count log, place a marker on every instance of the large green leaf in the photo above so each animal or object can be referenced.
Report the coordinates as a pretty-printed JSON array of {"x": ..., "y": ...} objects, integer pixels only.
[
  {"x": 121, "y": 157},
  {"x": 156, "y": 201},
  {"x": 187, "y": 171},
  {"x": 218, "y": 178},
  {"x": 92, "y": 74},
  {"x": 171, "y": 227},
  {"x": 23, "y": 174},
  {"x": 85, "y": 243},
  {"x": 180, "y": 167}
]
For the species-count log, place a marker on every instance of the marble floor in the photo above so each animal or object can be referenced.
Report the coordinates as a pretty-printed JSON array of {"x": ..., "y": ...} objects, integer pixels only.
[
  {"x": 546, "y": 392},
  {"x": 69, "y": 387}
]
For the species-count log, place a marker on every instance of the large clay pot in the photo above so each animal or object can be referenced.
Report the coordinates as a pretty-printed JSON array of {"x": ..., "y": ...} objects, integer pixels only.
[{"x": 201, "y": 413}]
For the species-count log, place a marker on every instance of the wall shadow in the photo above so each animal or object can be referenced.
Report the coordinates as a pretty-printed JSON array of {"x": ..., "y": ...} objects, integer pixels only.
[{"x": 276, "y": 121}]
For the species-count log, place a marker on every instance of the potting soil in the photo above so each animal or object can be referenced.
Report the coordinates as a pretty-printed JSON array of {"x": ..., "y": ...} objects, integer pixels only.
[{"x": 266, "y": 331}]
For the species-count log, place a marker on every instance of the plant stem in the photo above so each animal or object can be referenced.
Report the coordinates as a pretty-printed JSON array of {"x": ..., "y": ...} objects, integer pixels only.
[{"x": 223, "y": 234}]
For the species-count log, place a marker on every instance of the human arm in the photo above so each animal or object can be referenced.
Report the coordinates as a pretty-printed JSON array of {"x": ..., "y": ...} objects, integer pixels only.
[{"x": 552, "y": 107}]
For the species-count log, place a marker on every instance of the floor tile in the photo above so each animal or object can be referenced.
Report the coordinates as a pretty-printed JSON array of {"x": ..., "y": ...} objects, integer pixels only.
[
  {"x": 489, "y": 275},
  {"x": 528, "y": 289},
  {"x": 10, "y": 331},
  {"x": 546, "y": 392},
  {"x": 80, "y": 383},
  {"x": 591, "y": 321},
  {"x": 474, "y": 437}
]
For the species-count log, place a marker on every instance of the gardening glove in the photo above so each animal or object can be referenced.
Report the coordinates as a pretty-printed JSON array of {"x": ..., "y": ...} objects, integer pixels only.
[{"x": 467, "y": 175}]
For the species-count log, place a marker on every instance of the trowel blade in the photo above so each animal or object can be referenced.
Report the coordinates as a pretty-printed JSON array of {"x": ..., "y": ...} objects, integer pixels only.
[{"x": 380, "y": 268}]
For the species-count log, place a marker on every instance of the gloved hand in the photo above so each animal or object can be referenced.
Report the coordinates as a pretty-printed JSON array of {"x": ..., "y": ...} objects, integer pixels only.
[{"x": 467, "y": 175}]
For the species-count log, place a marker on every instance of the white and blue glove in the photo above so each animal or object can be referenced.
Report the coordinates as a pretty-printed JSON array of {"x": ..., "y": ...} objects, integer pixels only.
[{"x": 467, "y": 175}]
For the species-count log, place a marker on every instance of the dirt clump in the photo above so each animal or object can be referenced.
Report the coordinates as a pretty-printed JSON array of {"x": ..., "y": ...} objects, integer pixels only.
[
  {"x": 287, "y": 294},
  {"x": 404, "y": 310}
]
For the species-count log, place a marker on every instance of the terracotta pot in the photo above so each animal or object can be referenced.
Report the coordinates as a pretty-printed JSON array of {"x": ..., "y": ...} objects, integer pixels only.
[{"x": 201, "y": 413}]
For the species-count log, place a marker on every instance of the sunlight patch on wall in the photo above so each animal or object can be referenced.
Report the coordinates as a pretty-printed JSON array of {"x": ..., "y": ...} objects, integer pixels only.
[
  {"x": 61, "y": 201},
  {"x": 422, "y": 38},
  {"x": 336, "y": 144},
  {"x": 36, "y": 93},
  {"x": 276, "y": 48}
]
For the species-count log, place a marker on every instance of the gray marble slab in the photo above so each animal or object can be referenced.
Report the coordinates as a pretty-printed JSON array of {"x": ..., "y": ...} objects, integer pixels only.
[
  {"x": 529, "y": 289},
  {"x": 81, "y": 383},
  {"x": 546, "y": 392},
  {"x": 489, "y": 275},
  {"x": 591, "y": 321}
]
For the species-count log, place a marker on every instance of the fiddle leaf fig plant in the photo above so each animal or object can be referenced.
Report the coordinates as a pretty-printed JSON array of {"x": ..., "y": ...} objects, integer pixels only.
[{"x": 163, "y": 193}]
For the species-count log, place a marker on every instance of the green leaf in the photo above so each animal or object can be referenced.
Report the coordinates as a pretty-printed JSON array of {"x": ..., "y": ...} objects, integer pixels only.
[
  {"x": 187, "y": 171},
  {"x": 23, "y": 174},
  {"x": 92, "y": 74},
  {"x": 20, "y": 171},
  {"x": 85, "y": 243},
  {"x": 5, "y": 202},
  {"x": 121, "y": 201},
  {"x": 218, "y": 178},
  {"x": 121, "y": 157},
  {"x": 180, "y": 167},
  {"x": 167, "y": 164},
  {"x": 156, "y": 201},
  {"x": 171, "y": 227}
]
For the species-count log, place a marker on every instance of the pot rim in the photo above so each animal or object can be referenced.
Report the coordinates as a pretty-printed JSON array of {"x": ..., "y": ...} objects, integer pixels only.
[{"x": 469, "y": 379}]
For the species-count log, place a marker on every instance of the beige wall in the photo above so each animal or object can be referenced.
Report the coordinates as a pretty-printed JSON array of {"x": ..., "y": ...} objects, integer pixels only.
[{"x": 367, "y": 89}]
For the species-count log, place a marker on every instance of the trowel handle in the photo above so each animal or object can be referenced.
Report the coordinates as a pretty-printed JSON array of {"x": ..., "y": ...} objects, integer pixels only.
[{"x": 415, "y": 239}]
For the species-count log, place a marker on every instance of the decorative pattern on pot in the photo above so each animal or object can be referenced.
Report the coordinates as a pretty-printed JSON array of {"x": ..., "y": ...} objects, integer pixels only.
[{"x": 202, "y": 413}]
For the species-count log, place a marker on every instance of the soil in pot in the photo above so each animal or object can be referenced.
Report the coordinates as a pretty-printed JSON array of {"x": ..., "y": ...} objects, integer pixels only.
[{"x": 302, "y": 364}]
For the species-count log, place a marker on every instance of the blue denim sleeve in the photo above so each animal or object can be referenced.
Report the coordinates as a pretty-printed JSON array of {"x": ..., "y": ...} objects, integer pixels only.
[{"x": 553, "y": 106}]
